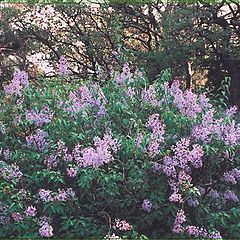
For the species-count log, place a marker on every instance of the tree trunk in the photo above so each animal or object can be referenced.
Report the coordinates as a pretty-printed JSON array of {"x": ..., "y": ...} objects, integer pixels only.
[{"x": 188, "y": 71}]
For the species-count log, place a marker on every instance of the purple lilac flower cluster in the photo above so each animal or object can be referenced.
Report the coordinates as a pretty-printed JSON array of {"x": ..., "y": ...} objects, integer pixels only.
[
  {"x": 19, "y": 81},
  {"x": 122, "y": 225},
  {"x": 46, "y": 230},
  {"x": 101, "y": 154},
  {"x": 125, "y": 75},
  {"x": 62, "y": 195},
  {"x": 231, "y": 111},
  {"x": 147, "y": 205},
  {"x": 17, "y": 217},
  {"x": 191, "y": 230},
  {"x": 232, "y": 176},
  {"x": 85, "y": 98},
  {"x": 149, "y": 96},
  {"x": 39, "y": 117},
  {"x": 179, "y": 220},
  {"x": 10, "y": 172},
  {"x": 31, "y": 211},
  {"x": 63, "y": 66},
  {"x": 178, "y": 167},
  {"x": 200, "y": 232},
  {"x": 130, "y": 92},
  {"x": 51, "y": 161},
  {"x": 230, "y": 196},
  {"x": 37, "y": 140},
  {"x": 4, "y": 218},
  {"x": 187, "y": 102},
  {"x": 5, "y": 153},
  {"x": 156, "y": 137},
  {"x": 228, "y": 132}
]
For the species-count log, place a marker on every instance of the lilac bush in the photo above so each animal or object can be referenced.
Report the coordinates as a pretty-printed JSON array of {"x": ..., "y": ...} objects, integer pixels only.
[{"x": 123, "y": 159}]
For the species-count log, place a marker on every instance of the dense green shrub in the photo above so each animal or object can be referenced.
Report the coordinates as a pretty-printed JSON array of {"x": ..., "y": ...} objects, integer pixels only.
[{"x": 125, "y": 159}]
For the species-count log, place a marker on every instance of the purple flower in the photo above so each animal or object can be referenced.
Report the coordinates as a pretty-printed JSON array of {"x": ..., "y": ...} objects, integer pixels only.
[
  {"x": 215, "y": 235},
  {"x": 193, "y": 202},
  {"x": 99, "y": 155},
  {"x": 149, "y": 96},
  {"x": 229, "y": 177},
  {"x": 37, "y": 140},
  {"x": 86, "y": 98},
  {"x": 4, "y": 220},
  {"x": 31, "y": 211},
  {"x": 51, "y": 161},
  {"x": 156, "y": 167},
  {"x": 139, "y": 140},
  {"x": 179, "y": 220},
  {"x": 231, "y": 196},
  {"x": 186, "y": 102},
  {"x": 130, "y": 92},
  {"x": 147, "y": 205},
  {"x": 72, "y": 172},
  {"x": 213, "y": 194},
  {"x": 46, "y": 230},
  {"x": 156, "y": 137},
  {"x": 17, "y": 217},
  {"x": 63, "y": 66},
  {"x": 176, "y": 197},
  {"x": 124, "y": 75},
  {"x": 19, "y": 81},
  {"x": 62, "y": 196},
  {"x": 10, "y": 172},
  {"x": 39, "y": 117},
  {"x": 193, "y": 231},
  {"x": 45, "y": 195},
  {"x": 231, "y": 111}
]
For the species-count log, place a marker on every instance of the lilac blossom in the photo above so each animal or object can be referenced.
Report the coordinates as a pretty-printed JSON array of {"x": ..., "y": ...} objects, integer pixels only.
[
  {"x": 193, "y": 202},
  {"x": 102, "y": 153},
  {"x": 176, "y": 197},
  {"x": 72, "y": 172},
  {"x": 19, "y": 81},
  {"x": 156, "y": 167},
  {"x": 17, "y": 217},
  {"x": 62, "y": 196},
  {"x": 122, "y": 225},
  {"x": 84, "y": 98},
  {"x": 179, "y": 220},
  {"x": 51, "y": 161},
  {"x": 230, "y": 196},
  {"x": 147, "y": 205},
  {"x": 130, "y": 92},
  {"x": 6, "y": 154},
  {"x": 45, "y": 195},
  {"x": 63, "y": 66},
  {"x": 149, "y": 96},
  {"x": 4, "y": 220},
  {"x": 46, "y": 230},
  {"x": 156, "y": 137},
  {"x": 124, "y": 76},
  {"x": 10, "y": 172},
  {"x": 31, "y": 211},
  {"x": 194, "y": 231},
  {"x": 213, "y": 194},
  {"x": 186, "y": 102},
  {"x": 139, "y": 140},
  {"x": 37, "y": 140},
  {"x": 231, "y": 111},
  {"x": 39, "y": 117},
  {"x": 204, "y": 101}
]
